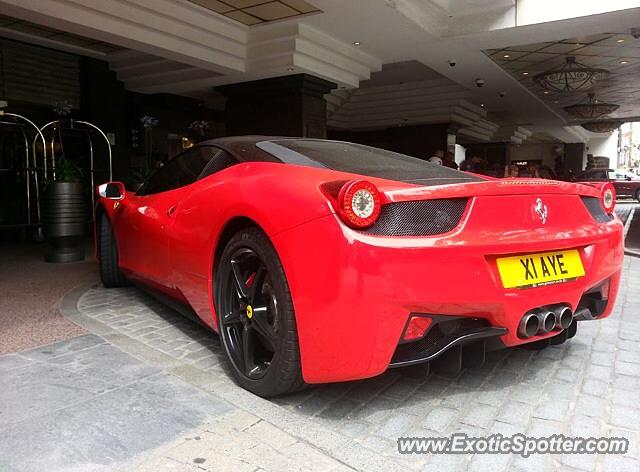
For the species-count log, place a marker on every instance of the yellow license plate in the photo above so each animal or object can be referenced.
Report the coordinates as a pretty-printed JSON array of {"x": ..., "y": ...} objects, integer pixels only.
[{"x": 543, "y": 268}]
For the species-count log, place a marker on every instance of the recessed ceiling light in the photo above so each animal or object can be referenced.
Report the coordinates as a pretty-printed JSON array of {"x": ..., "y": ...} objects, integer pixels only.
[
  {"x": 506, "y": 56},
  {"x": 356, "y": 43},
  {"x": 482, "y": 105},
  {"x": 525, "y": 73},
  {"x": 556, "y": 101},
  {"x": 546, "y": 92},
  {"x": 624, "y": 62},
  {"x": 620, "y": 41},
  {"x": 290, "y": 69}
]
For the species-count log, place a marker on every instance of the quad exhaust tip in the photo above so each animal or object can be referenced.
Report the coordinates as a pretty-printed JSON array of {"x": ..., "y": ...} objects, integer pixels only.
[
  {"x": 547, "y": 321},
  {"x": 564, "y": 317},
  {"x": 543, "y": 321},
  {"x": 529, "y": 325}
]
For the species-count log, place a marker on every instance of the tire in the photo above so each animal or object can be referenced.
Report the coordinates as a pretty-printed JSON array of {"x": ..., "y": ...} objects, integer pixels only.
[
  {"x": 256, "y": 318},
  {"x": 637, "y": 195},
  {"x": 110, "y": 273}
]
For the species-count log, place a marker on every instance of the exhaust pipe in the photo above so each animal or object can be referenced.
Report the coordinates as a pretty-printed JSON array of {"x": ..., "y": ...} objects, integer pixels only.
[
  {"x": 564, "y": 317},
  {"x": 583, "y": 314},
  {"x": 529, "y": 325},
  {"x": 547, "y": 320}
]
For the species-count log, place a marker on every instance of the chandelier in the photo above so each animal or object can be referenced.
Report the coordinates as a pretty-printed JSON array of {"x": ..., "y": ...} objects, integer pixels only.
[
  {"x": 570, "y": 77},
  {"x": 602, "y": 126},
  {"x": 591, "y": 109}
]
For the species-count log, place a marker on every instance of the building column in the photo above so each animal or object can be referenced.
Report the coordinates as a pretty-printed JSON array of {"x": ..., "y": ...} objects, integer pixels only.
[{"x": 282, "y": 106}]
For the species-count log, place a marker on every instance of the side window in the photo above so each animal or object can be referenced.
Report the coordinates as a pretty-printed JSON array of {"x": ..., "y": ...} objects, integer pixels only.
[
  {"x": 220, "y": 161},
  {"x": 182, "y": 170}
]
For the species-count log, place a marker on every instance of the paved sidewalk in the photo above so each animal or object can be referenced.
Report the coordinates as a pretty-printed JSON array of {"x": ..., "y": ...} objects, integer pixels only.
[
  {"x": 589, "y": 386},
  {"x": 86, "y": 405},
  {"x": 629, "y": 214},
  {"x": 625, "y": 208}
]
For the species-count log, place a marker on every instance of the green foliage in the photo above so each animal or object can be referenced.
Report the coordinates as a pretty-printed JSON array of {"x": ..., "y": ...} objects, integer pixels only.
[
  {"x": 67, "y": 171},
  {"x": 139, "y": 175}
]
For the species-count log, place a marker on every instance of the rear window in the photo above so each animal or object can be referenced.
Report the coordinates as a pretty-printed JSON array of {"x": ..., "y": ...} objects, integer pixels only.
[{"x": 364, "y": 160}]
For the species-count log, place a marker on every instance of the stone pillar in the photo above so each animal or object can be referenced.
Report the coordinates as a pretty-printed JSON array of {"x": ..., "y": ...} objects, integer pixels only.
[
  {"x": 574, "y": 157},
  {"x": 282, "y": 106},
  {"x": 103, "y": 104}
]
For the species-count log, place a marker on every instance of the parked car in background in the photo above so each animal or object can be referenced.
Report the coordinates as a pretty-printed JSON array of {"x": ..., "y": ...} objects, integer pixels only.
[{"x": 626, "y": 183}]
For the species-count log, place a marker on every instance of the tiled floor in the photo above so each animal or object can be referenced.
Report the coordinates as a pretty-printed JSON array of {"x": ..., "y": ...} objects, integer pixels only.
[{"x": 29, "y": 291}]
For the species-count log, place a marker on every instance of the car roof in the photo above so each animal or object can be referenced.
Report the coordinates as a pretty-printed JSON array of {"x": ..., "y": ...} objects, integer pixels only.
[
  {"x": 250, "y": 139},
  {"x": 244, "y": 147},
  {"x": 257, "y": 148}
]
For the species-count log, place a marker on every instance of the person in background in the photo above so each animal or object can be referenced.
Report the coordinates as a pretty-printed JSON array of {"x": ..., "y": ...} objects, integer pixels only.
[
  {"x": 531, "y": 171},
  {"x": 437, "y": 157},
  {"x": 475, "y": 165},
  {"x": 495, "y": 170},
  {"x": 511, "y": 171},
  {"x": 449, "y": 160},
  {"x": 546, "y": 172},
  {"x": 559, "y": 169},
  {"x": 466, "y": 165}
]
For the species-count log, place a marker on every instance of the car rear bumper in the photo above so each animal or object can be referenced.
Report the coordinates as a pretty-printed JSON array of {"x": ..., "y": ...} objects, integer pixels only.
[{"x": 354, "y": 293}]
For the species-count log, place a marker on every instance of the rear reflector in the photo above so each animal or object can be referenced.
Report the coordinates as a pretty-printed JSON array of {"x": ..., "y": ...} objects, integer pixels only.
[{"x": 417, "y": 326}]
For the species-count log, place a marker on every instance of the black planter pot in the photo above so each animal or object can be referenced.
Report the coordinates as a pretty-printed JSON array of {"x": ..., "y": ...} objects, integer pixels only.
[{"x": 63, "y": 220}]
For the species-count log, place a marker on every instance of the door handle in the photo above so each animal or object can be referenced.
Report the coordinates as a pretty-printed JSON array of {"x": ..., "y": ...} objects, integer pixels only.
[{"x": 171, "y": 210}]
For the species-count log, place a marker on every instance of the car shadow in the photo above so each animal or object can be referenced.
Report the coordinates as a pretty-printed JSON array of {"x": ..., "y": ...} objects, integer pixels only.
[
  {"x": 405, "y": 391},
  {"x": 409, "y": 392}
]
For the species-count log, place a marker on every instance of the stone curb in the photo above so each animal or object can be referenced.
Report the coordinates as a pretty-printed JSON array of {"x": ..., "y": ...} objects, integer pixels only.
[
  {"x": 343, "y": 449},
  {"x": 631, "y": 252}
]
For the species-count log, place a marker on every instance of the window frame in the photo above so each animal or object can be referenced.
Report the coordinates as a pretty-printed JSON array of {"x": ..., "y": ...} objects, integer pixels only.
[
  {"x": 142, "y": 190},
  {"x": 220, "y": 150}
]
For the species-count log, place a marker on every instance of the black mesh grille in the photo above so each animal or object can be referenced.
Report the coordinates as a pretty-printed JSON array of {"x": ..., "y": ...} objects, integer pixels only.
[
  {"x": 419, "y": 218},
  {"x": 595, "y": 208}
]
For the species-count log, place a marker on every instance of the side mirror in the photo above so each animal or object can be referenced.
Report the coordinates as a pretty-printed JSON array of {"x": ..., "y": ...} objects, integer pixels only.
[
  {"x": 627, "y": 177},
  {"x": 111, "y": 190}
]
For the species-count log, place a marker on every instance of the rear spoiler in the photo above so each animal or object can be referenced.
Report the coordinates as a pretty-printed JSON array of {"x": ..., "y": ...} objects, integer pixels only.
[{"x": 507, "y": 186}]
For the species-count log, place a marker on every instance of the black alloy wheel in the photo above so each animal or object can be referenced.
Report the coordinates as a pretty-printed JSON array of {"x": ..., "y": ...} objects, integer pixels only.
[
  {"x": 249, "y": 313},
  {"x": 255, "y": 316}
]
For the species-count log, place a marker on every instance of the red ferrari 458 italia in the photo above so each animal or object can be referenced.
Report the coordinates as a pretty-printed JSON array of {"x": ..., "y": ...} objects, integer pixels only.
[{"x": 323, "y": 261}]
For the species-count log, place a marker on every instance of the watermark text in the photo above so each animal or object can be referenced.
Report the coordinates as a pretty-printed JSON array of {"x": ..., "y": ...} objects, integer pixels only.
[{"x": 460, "y": 443}]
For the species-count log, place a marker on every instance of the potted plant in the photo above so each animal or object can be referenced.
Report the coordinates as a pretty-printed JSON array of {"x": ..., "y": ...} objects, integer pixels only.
[
  {"x": 199, "y": 129},
  {"x": 64, "y": 214}
]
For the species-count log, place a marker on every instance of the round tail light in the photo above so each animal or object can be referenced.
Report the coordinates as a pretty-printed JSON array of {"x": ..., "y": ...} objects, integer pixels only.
[
  {"x": 608, "y": 198},
  {"x": 359, "y": 204}
]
